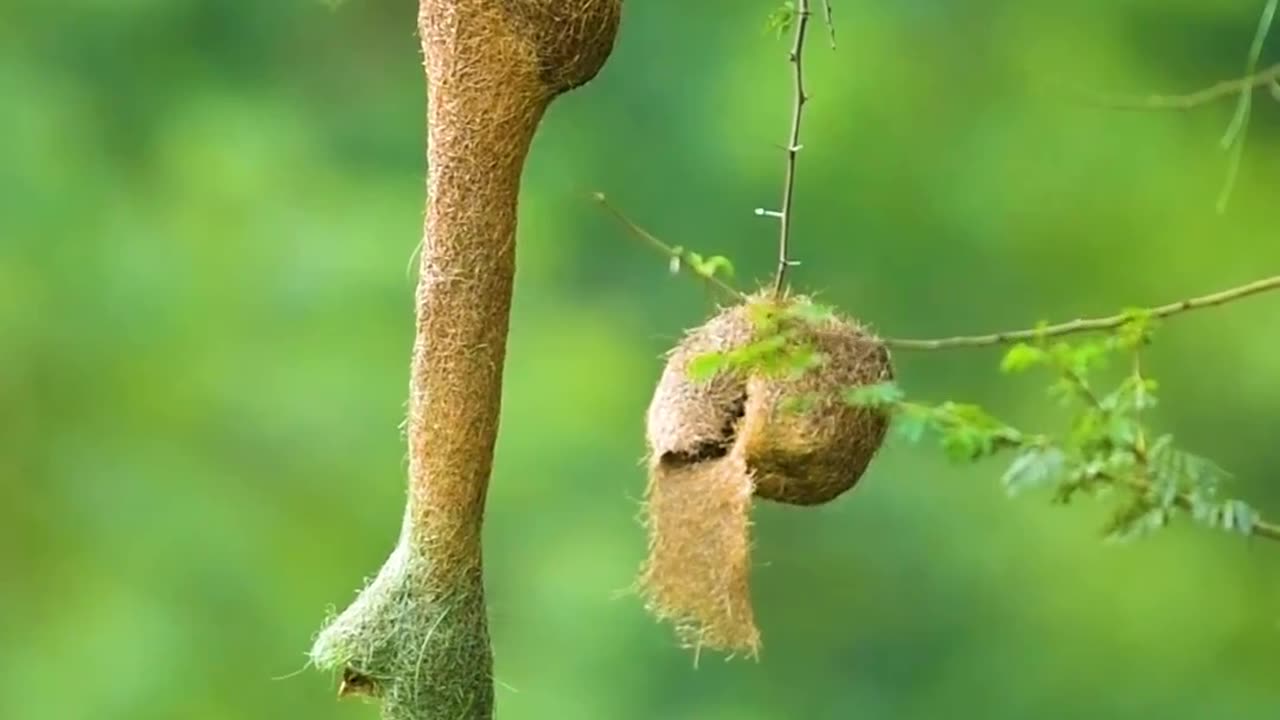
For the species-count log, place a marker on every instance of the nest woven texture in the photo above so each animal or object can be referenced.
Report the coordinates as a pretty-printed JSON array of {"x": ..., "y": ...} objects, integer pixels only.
[{"x": 716, "y": 443}]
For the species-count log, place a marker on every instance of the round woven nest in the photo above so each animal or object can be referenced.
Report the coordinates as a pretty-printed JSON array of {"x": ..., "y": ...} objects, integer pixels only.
[
  {"x": 801, "y": 441},
  {"x": 770, "y": 420}
]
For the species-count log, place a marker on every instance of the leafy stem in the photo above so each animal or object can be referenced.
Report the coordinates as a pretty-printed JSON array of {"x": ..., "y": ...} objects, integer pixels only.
[{"x": 1107, "y": 449}]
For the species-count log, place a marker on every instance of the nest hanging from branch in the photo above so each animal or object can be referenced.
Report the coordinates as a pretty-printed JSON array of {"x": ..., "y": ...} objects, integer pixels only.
[{"x": 717, "y": 442}]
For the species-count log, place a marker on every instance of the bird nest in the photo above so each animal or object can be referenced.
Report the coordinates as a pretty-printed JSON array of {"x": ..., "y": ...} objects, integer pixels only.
[{"x": 770, "y": 420}]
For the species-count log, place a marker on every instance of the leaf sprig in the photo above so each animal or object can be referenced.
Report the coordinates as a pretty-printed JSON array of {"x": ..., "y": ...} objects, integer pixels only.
[
  {"x": 1108, "y": 449},
  {"x": 777, "y": 348}
]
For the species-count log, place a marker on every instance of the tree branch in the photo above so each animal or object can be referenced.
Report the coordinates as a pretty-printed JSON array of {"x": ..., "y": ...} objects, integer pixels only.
[
  {"x": 1071, "y": 327},
  {"x": 678, "y": 255},
  {"x": 1191, "y": 100},
  {"x": 1259, "y": 528},
  {"x": 793, "y": 145},
  {"x": 1087, "y": 324}
]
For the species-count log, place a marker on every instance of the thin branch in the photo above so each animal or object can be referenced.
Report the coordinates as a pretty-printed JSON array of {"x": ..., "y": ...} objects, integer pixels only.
[
  {"x": 678, "y": 255},
  {"x": 1087, "y": 324},
  {"x": 1071, "y": 327},
  {"x": 831, "y": 25},
  {"x": 793, "y": 145},
  {"x": 1233, "y": 138},
  {"x": 1244, "y": 105},
  {"x": 1260, "y": 528},
  {"x": 687, "y": 261},
  {"x": 1191, "y": 100}
]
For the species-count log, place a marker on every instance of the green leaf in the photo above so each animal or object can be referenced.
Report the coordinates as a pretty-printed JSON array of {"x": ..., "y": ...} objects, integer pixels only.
[
  {"x": 764, "y": 316},
  {"x": 1202, "y": 511},
  {"x": 962, "y": 445},
  {"x": 1237, "y": 516},
  {"x": 710, "y": 266},
  {"x": 1033, "y": 467},
  {"x": 874, "y": 396},
  {"x": 811, "y": 312},
  {"x": 1166, "y": 494},
  {"x": 1063, "y": 391},
  {"x": 801, "y": 359},
  {"x": 1120, "y": 463},
  {"x": 1121, "y": 431},
  {"x": 781, "y": 19},
  {"x": 1087, "y": 357},
  {"x": 910, "y": 426},
  {"x": 766, "y": 356},
  {"x": 1135, "y": 394},
  {"x": 1135, "y": 332},
  {"x": 1022, "y": 357},
  {"x": 1133, "y": 519},
  {"x": 707, "y": 365}
]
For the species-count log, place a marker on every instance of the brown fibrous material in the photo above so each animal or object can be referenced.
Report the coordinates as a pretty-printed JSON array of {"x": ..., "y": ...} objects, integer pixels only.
[
  {"x": 417, "y": 637},
  {"x": 715, "y": 443}
]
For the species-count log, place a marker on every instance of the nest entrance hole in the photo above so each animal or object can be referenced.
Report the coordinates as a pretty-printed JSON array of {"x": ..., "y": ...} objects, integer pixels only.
[{"x": 712, "y": 449}]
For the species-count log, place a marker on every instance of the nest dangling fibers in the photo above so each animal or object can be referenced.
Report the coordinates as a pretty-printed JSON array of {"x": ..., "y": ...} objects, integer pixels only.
[{"x": 715, "y": 443}]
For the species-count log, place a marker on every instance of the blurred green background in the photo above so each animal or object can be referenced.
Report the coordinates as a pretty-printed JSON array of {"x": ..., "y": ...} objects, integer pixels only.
[{"x": 207, "y": 218}]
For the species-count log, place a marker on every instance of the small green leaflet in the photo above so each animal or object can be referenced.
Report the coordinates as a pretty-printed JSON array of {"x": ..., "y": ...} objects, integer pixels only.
[
  {"x": 874, "y": 396},
  {"x": 782, "y": 18},
  {"x": 1034, "y": 467}
]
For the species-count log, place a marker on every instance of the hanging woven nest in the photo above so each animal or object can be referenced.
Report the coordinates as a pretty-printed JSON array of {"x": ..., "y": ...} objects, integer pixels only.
[{"x": 771, "y": 421}]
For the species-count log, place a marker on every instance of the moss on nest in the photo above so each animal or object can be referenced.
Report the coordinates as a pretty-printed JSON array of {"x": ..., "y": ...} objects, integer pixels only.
[
  {"x": 716, "y": 442},
  {"x": 420, "y": 649}
]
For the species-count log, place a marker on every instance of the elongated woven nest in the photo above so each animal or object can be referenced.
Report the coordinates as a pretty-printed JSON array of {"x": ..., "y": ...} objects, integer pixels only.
[
  {"x": 715, "y": 443},
  {"x": 416, "y": 637}
]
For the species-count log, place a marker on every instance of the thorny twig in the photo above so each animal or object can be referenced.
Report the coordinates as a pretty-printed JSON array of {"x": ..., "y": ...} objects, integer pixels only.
[
  {"x": 793, "y": 146},
  {"x": 1070, "y": 327}
]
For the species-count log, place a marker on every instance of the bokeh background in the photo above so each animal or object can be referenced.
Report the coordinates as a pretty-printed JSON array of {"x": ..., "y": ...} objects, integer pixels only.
[{"x": 208, "y": 212}]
